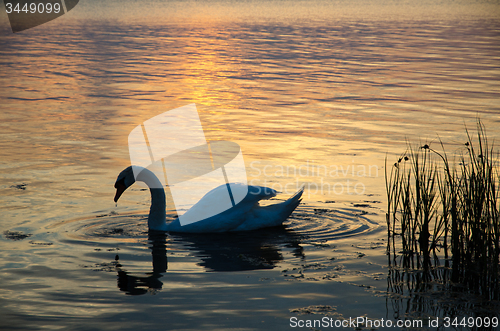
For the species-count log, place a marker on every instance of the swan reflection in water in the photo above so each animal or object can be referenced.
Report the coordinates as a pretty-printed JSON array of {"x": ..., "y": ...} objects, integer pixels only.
[{"x": 253, "y": 250}]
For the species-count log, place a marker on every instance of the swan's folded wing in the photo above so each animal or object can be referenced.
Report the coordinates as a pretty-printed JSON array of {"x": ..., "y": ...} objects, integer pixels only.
[
  {"x": 212, "y": 200},
  {"x": 211, "y": 204},
  {"x": 272, "y": 215},
  {"x": 229, "y": 218}
]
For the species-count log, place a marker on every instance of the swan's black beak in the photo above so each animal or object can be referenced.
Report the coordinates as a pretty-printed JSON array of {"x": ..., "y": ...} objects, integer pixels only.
[{"x": 120, "y": 188}]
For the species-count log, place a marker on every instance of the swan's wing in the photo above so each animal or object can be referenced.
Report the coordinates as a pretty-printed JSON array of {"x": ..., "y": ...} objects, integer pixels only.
[
  {"x": 229, "y": 218},
  {"x": 272, "y": 215},
  {"x": 248, "y": 196},
  {"x": 210, "y": 203}
]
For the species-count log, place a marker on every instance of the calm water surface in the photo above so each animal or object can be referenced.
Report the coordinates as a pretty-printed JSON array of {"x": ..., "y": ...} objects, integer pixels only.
[{"x": 315, "y": 93}]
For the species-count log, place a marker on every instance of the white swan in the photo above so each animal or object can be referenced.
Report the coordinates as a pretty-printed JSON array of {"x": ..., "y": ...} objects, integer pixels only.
[{"x": 244, "y": 216}]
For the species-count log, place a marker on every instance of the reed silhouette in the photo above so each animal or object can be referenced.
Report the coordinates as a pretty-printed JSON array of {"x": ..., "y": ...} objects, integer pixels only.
[{"x": 443, "y": 218}]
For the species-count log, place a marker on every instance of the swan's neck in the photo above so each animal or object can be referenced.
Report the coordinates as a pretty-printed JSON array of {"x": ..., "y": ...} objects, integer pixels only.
[{"x": 157, "y": 214}]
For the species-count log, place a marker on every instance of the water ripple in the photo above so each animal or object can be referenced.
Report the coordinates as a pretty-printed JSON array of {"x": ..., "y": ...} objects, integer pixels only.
[{"x": 307, "y": 225}]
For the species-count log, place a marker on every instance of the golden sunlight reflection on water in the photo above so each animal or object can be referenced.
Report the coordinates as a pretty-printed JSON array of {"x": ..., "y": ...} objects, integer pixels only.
[{"x": 317, "y": 94}]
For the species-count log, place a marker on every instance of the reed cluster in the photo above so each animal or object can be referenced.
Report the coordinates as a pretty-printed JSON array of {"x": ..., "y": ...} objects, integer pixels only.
[{"x": 441, "y": 210}]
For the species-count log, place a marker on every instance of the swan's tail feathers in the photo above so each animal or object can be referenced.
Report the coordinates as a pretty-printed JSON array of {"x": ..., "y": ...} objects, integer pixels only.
[
  {"x": 298, "y": 194},
  {"x": 292, "y": 203}
]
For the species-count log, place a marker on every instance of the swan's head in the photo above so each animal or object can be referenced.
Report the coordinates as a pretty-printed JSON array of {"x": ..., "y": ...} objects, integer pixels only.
[{"x": 125, "y": 179}]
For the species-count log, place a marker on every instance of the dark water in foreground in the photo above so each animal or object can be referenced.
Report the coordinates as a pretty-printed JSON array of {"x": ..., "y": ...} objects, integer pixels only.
[{"x": 329, "y": 88}]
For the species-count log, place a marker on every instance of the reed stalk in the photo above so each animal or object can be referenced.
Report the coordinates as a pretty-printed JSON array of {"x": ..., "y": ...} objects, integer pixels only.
[{"x": 440, "y": 210}]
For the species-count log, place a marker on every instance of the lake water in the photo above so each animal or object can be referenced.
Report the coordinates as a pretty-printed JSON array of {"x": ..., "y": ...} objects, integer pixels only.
[{"x": 315, "y": 93}]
